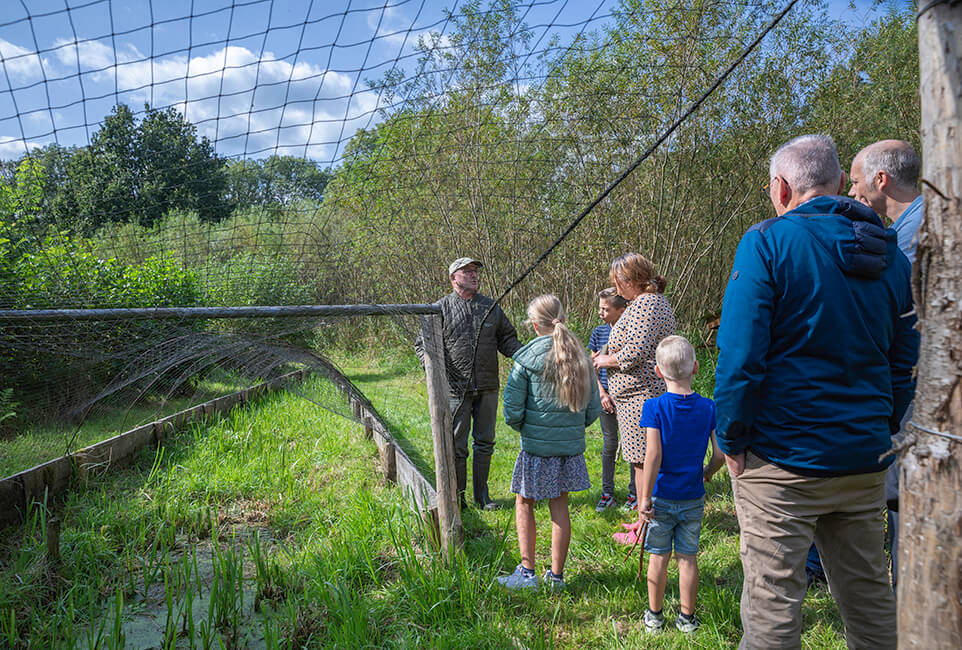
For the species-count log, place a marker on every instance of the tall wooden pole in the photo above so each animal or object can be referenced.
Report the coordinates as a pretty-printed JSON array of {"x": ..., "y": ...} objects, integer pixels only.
[
  {"x": 442, "y": 430},
  {"x": 930, "y": 534}
]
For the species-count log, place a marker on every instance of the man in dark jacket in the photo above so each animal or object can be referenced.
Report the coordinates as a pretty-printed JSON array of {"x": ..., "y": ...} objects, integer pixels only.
[
  {"x": 817, "y": 345},
  {"x": 473, "y": 377}
]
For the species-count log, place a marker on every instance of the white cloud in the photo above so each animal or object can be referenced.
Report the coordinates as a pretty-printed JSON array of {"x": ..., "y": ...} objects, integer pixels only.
[
  {"x": 11, "y": 148},
  {"x": 246, "y": 104},
  {"x": 18, "y": 62}
]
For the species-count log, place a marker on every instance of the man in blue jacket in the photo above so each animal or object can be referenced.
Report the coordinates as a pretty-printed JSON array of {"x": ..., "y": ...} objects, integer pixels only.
[{"x": 817, "y": 345}]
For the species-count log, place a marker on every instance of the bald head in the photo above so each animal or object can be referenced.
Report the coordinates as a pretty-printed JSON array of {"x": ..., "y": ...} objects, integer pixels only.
[
  {"x": 896, "y": 158},
  {"x": 885, "y": 176}
]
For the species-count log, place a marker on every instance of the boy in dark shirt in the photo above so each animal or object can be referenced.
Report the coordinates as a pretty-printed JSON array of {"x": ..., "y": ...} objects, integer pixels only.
[{"x": 610, "y": 308}]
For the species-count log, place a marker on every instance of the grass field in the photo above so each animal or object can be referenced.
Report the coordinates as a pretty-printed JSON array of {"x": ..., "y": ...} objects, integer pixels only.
[
  {"x": 273, "y": 528},
  {"x": 41, "y": 439}
]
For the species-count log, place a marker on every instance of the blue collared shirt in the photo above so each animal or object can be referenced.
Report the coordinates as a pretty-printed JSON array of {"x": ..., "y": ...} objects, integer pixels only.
[{"x": 907, "y": 225}]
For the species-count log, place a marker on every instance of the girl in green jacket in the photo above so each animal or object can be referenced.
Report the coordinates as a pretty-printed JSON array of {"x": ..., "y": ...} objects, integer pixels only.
[{"x": 550, "y": 397}]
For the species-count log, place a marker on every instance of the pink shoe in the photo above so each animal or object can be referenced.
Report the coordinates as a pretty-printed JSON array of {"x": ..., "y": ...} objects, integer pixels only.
[{"x": 628, "y": 539}]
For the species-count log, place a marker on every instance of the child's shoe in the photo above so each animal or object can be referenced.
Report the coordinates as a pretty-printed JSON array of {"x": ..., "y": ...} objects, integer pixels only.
[
  {"x": 606, "y": 501},
  {"x": 629, "y": 538},
  {"x": 654, "y": 622},
  {"x": 631, "y": 503},
  {"x": 520, "y": 579},
  {"x": 687, "y": 624},
  {"x": 552, "y": 582}
]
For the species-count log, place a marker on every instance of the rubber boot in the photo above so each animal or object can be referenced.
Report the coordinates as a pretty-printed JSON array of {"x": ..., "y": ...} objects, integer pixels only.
[
  {"x": 461, "y": 474},
  {"x": 481, "y": 465}
]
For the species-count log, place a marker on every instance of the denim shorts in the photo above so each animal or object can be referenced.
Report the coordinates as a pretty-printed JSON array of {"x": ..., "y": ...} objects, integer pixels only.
[{"x": 675, "y": 521}]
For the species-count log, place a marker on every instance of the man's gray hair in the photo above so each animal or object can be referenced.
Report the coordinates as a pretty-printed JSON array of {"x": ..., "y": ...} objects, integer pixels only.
[
  {"x": 807, "y": 162},
  {"x": 897, "y": 159}
]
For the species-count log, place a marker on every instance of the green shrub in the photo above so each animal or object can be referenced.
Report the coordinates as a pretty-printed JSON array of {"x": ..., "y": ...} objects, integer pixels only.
[{"x": 62, "y": 361}]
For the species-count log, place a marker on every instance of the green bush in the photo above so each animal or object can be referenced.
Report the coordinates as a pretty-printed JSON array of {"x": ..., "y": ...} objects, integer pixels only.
[
  {"x": 62, "y": 361},
  {"x": 69, "y": 275},
  {"x": 251, "y": 279}
]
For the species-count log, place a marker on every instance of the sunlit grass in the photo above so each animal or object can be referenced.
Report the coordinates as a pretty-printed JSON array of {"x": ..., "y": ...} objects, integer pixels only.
[
  {"x": 36, "y": 441},
  {"x": 272, "y": 527}
]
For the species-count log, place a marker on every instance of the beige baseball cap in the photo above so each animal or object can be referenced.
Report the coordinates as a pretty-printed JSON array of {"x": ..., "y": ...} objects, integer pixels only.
[{"x": 462, "y": 262}]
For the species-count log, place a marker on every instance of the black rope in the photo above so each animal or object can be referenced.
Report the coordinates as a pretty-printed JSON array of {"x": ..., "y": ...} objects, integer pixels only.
[
  {"x": 664, "y": 136},
  {"x": 625, "y": 174}
]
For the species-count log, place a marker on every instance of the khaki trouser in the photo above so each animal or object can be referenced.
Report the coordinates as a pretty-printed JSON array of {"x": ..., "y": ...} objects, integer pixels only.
[{"x": 779, "y": 514}]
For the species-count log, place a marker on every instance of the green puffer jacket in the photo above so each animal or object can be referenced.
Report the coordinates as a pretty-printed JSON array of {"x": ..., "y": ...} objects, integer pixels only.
[{"x": 547, "y": 427}]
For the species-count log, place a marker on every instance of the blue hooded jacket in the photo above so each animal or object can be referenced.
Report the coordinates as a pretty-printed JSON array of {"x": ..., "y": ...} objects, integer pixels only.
[{"x": 817, "y": 341}]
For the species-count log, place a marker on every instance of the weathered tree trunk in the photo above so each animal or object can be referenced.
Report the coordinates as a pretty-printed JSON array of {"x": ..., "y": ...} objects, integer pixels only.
[
  {"x": 442, "y": 424},
  {"x": 930, "y": 543}
]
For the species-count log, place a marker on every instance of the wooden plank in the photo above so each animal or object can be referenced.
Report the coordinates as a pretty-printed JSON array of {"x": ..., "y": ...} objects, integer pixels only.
[
  {"x": 13, "y": 501},
  {"x": 114, "y": 452},
  {"x": 53, "y": 477},
  {"x": 442, "y": 431},
  {"x": 195, "y": 313},
  {"x": 414, "y": 484},
  {"x": 50, "y": 479}
]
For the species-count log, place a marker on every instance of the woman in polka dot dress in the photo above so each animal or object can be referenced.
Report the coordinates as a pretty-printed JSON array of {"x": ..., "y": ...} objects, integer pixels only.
[{"x": 630, "y": 357}]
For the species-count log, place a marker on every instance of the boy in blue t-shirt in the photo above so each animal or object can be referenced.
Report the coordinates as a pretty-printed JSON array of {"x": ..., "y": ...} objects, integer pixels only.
[
  {"x": 678, "y": 427},
  {"x": 610, "y": 308}
]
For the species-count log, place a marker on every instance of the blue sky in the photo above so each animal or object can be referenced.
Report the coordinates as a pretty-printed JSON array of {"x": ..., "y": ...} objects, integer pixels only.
[{"x": 263, "y": 77}]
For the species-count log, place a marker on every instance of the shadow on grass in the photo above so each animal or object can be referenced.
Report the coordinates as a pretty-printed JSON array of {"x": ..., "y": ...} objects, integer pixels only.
[{"x": 392, "y": 372}]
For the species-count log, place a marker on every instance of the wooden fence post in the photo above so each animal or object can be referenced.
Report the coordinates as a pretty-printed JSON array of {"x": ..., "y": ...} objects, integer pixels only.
[
  {"x": 442, "y": 430},
  {"x": 930, "y": 525}
]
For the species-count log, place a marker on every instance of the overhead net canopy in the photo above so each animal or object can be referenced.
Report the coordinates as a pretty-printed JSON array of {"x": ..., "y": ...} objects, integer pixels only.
[{"x": 173, "y": 154}]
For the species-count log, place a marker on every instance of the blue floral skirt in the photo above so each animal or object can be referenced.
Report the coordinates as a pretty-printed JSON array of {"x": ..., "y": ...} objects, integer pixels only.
[{"x": 546, "y": 477}]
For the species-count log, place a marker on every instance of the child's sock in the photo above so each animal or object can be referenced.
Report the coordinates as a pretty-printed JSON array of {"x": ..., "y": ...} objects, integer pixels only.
[
  {"x": 686, "y": 617},
  {"x": 527, "y": 573},
  {"x": 654, "y": 613},
  {"x": 556, "y": 576}
]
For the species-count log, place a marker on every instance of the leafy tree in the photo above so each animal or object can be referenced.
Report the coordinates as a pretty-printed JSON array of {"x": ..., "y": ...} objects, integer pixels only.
[
  {"x": 276, "y": 182},
  {"x": 138, "y": 172},
  {"x": 21, "y": 196},
  {"x": 873, "y": 93}
]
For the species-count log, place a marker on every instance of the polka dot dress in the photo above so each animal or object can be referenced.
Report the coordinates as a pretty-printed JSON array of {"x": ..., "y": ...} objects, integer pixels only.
[{"x": 634, "y": 338}]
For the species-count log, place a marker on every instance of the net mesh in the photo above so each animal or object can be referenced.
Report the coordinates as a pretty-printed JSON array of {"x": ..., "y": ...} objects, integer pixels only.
[{"x": 161, "y": 154}]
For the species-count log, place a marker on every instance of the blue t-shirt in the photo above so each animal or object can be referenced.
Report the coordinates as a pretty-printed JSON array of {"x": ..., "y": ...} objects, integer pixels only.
[
  {"x": 599, "y": 337},
  {"x": 907, "y": 226},
  {"x": 685, "y": 423}
]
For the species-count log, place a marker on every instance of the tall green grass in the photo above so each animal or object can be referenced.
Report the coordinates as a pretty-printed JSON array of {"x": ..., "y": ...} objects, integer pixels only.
[{"x": 273, "y": 528}]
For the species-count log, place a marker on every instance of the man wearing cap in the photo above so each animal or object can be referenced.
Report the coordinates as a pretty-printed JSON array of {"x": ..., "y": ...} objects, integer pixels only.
[{"x": 473, "y": 377}]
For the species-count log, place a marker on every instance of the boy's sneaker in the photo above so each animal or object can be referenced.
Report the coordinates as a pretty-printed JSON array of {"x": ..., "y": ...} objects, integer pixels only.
[
  {"x": 687, "y": 624},
  {"x": 631, "y": 503},
  {"x": 518, "y": 580},
  {"x": 654, "y": 622},
  {"x": 606, "y": 501},
  {"x": 552, "y": 582}
]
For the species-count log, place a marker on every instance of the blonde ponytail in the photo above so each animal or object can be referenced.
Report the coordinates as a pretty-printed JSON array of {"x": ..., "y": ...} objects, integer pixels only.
[{"x": 567, "y": 366}]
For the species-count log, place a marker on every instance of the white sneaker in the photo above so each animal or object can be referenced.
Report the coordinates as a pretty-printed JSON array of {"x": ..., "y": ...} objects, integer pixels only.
[{"x": 518, "y": 581}]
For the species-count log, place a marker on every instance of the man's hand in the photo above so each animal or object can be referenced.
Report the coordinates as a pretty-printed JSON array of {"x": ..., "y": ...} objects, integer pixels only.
[
  {"x": 607, "y": 403},
  {"x": 736, "y": 464}
]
